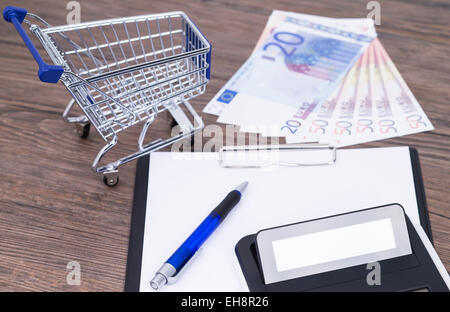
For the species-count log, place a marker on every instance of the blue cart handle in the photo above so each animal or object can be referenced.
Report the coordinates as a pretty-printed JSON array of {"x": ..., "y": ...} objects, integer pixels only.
[{"x": 46, "y": 73}]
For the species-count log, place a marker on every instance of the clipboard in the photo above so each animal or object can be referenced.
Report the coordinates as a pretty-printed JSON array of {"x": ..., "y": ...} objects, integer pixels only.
[{"x": 137, "y": 228}]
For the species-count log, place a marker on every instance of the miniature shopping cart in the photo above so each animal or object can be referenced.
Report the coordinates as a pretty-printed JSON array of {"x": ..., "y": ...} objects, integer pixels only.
[{"x": 123, "y": 72}]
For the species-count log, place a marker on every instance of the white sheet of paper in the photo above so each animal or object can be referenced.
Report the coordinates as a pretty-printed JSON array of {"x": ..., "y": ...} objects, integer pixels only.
[{"x": 183, "y": 192}]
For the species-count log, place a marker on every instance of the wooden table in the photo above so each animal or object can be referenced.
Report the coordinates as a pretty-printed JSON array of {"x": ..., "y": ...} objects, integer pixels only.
[{"x": 54, "y": 209}]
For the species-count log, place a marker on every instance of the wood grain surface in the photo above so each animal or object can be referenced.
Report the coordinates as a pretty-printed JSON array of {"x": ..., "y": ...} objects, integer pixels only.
[{"x": 54, "y": 209}]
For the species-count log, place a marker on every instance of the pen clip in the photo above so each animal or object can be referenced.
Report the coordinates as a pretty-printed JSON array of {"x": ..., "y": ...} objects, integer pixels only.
[{"x": 174, "y": 278}]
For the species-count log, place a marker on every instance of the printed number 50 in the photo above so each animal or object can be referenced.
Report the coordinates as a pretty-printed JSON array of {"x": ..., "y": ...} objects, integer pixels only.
[{"x": 415, "y": 121}]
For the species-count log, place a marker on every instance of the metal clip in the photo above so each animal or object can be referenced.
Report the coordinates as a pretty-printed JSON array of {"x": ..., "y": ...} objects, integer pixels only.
[{"x": 258, "y": 156}]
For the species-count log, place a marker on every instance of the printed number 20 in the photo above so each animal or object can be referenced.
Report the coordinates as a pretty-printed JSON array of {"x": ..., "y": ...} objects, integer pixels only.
[
  {"x": 292, "y": 125},
  {"x": 299, "y": 40}
]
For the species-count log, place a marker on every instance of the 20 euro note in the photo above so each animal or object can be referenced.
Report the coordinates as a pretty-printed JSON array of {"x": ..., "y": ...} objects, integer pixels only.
[
  {"x": 307, "y": 58},
  {"x": 354, "y": 26},
  {"x": 315, "y": 125},
  {"x": 321, "y": 65},
  {"x": 296, "y": 68},
  {"x": 358, "y": 26}
]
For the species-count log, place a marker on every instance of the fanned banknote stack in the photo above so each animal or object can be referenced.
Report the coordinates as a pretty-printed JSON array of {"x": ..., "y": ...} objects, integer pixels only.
[{"x": 319, "y": 79}]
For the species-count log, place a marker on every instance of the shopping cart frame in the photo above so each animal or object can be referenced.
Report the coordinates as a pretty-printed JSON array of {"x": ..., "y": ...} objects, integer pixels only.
[{"x": 109, "y": 106}]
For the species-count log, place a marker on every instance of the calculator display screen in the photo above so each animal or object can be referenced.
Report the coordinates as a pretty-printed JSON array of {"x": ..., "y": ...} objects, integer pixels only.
[{"x": 335, "y": 244}]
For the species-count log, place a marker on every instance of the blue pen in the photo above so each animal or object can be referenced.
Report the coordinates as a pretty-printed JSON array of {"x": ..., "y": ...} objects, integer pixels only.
[{"x": 169, "y": 270}]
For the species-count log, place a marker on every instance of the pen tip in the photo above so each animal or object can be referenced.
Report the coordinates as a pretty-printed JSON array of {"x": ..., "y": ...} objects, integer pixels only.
[{"x": 242, "y": 187}]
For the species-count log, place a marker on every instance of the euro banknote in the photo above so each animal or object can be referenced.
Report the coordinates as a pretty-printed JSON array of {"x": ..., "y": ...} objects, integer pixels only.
[
  {"x": 372, "y": 103},
  {"x": 320, "y": 79},
  {"x": 296, "y": 49}
]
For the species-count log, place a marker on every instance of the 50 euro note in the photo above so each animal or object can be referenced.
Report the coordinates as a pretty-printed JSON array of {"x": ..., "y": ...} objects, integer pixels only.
[
  {"x": 396, "y": 110},
  {"x": 375, "y": 117},
  {"x": 412, "y": 117},
  {"x": 377, "y": 97},
  {"x": 333, "y": 120},
  {"x": 354, "y": 110}
]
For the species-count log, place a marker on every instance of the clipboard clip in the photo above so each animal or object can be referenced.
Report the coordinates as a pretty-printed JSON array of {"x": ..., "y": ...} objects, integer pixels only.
[{"x": 291, "y": 155}]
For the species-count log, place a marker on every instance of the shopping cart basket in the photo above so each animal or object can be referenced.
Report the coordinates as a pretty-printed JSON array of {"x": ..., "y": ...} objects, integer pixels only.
[{"x": 122, "y": 72}]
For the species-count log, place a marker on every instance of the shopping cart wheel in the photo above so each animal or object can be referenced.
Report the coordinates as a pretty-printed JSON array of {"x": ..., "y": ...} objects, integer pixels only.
[
  {"x": 111, "y": 178},
  {"x": 83, "y": 129}
]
